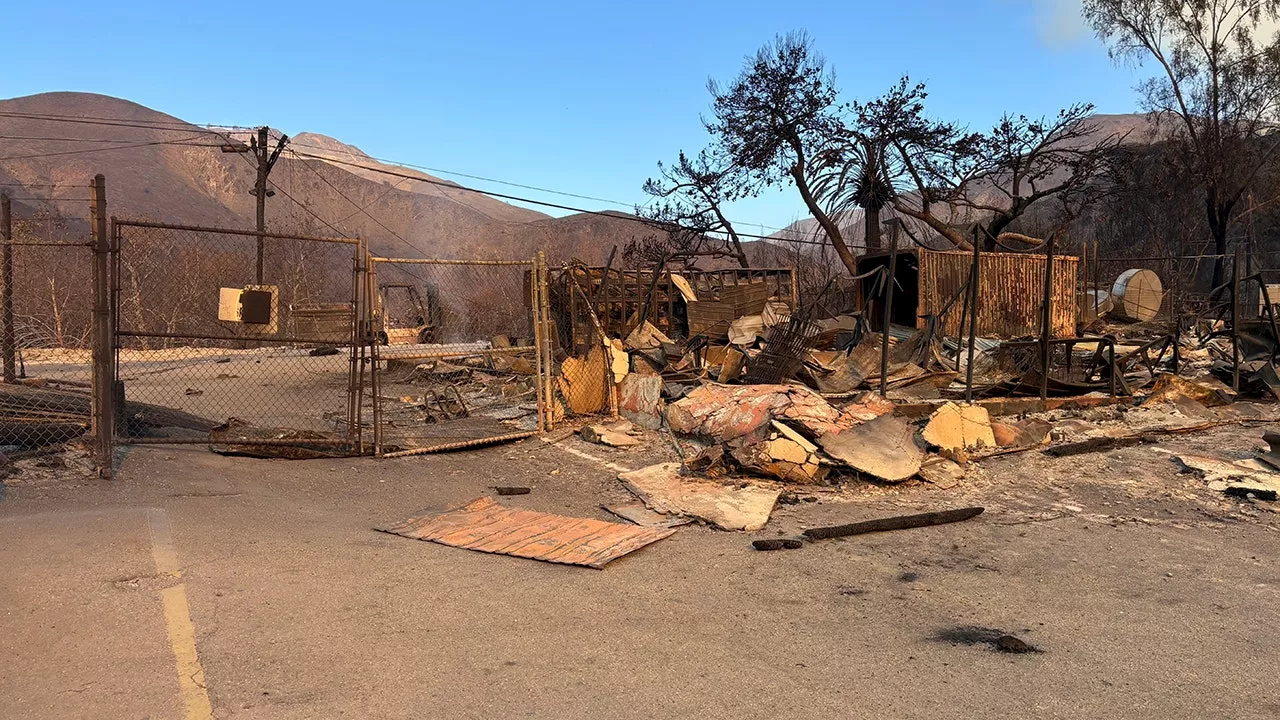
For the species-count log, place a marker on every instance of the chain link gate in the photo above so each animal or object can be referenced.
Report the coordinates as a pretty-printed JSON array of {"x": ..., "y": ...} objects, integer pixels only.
[
  {"x": 459, "y": 351},
  {"x": 215, "y": 345}
]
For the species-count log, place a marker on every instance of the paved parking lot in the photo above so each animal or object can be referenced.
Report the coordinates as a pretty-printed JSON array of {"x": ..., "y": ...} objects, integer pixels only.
[{"x": 1149, "y": 596}]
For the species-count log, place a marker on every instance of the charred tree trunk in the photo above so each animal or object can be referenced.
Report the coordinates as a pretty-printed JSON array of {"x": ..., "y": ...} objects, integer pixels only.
[{"x": 871, "y": 221}]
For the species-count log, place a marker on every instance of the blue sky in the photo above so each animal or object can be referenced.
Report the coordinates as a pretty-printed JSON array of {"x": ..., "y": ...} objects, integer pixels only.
[{"x": 576, "y": 96}]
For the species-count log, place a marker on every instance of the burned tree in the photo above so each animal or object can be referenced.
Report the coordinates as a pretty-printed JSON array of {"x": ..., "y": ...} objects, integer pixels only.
[
  {"x": 688, "y": 212},
  {"x": 997, "y": 177},
  {"x": 860, "y": 169},
  {"x": 1215, "y": 92},
  {"x": 776, "y": 120}
]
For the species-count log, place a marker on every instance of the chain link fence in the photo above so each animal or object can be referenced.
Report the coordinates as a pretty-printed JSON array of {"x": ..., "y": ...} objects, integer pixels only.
[
  {"x": 218, "y": 340},
  {"x": 46, "y": 317},
  {"x": 458, "y": 357}
]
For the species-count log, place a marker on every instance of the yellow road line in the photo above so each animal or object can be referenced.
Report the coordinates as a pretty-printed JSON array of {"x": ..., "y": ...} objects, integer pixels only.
[
  {"x": 177, "y": 619},
  {"x": 182, "y": 638}
]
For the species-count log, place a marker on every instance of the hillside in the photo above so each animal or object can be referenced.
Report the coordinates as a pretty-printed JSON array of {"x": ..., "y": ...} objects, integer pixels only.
[{"x": 161, "y": 168}]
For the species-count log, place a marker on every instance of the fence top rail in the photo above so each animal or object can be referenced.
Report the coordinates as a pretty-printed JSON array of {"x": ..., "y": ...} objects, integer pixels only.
[
  {"x": 231, "y": 231},
  {"x": 437, "y": 261},
  {"x": 22, "y": 243}
]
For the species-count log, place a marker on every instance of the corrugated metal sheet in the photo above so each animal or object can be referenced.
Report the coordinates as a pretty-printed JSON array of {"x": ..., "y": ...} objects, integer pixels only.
[
  {"x": 1010, "y": 292},
  {"x": 486, "y": 526}
]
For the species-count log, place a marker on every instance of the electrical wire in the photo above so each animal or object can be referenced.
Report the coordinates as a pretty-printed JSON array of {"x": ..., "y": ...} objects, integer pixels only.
[
  {"x": 380, "y": 224},
  {"x": 108, "y": 149},
  {"x": 167, "y": 126},
  {"x": 619, "y": 203},
  {"x": 531, "y": 201},
  {"x": 509, "y": 183}
]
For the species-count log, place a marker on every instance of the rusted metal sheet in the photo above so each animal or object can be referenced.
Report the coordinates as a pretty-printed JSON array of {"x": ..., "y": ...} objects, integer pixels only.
[
  {"x": 485, "y": 526},
  {"x": 1010, "y": 295}
]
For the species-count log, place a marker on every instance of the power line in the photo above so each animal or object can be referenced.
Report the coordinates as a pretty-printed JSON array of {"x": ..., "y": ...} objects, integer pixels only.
[
  {"x": 619, "y": 203},
  {"x": 380, "y": 224},
  {"x": 509, "y": 183},
  {"x": 542, "y": 203},
  {"x": 60, "y": 139},
  {"x": 168, "y": 126},
  {"x": 39, "y": 185},
  {"x": 108, "y": 149}
]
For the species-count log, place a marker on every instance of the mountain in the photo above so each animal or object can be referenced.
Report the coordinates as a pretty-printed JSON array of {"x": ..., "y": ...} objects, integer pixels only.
[{"x": 159, "y": 167}]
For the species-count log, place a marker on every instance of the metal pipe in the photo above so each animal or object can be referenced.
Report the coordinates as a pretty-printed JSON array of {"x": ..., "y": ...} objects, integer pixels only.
[
  {"x": 36, "y": 243},
  {"x": 458, "y": 353},
  {"x": 974, "y": 275},
  {"x": 536, "y": 309},
  {"x": 375, "y": 378},
  {"x": 434, "y": 261},
  {"x": 461, "y": 444},
  {"x": 236, "y": 338},
  {"x": 548, "y": 336},
  {"x": 328, "y": 442},
  {"x": 231, "y": 231},
  {"x": 1046, "y": 318},
  {"x": 1235, "y": 322}
]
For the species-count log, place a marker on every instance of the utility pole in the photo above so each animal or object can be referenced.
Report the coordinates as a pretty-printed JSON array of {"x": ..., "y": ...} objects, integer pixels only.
[
  {"x": 260, "y": 146},
  {"x": 103, "y": 335},
  {"x": 6, "y": 293}
]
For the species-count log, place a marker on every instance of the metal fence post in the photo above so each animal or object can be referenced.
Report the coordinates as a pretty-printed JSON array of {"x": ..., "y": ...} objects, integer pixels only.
[
  {"x": 1046, "y": 319},
  {"x": 974, "y": 275},
  {"x": 888, "y": 312},
  {"x": 103, "y": 377},
  {"x": 1235, "y": 321}
]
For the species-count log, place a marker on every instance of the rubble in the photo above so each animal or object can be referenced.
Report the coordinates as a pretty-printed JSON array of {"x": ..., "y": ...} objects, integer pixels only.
[
  {"x": 944, "y": 473},
  {"x": 728, "y": 507},
  {"x": 786, "y": 455},
  {"x": 1022, "y": 434},
  {"x": 1209, "y": 392},
  {"x": 884, "y": 448},
  {"x": 618, "y": 434},
  {"x": 640, "y": 400},
  {"x": 761, "y": 388},
  {"x": 582, "y": 382},
  {"x": 638, "y": 514},
  {"x": 956, "y": 429},
  {"x": 727, "y": 412}
]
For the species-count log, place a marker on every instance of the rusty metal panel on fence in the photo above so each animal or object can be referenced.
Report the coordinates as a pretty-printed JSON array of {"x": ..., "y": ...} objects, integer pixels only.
[
  {"x": 485, "y": 526},
  {"x": 1010, "y": 292}
]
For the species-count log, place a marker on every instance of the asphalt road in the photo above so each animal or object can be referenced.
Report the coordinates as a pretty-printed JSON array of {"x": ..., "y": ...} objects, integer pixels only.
[{"x": 1149, "y": 595}]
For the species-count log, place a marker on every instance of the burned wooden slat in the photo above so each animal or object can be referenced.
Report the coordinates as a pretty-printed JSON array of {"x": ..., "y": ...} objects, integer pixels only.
[
  {"x": 1091, "y": 445},
  {"x": 900, "y": 522},
  {"x": 778, "y": 544}
]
